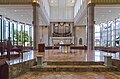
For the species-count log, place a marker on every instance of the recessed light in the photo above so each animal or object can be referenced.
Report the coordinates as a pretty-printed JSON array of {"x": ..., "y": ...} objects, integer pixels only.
[
  {"x": 15, "y": 10},
  {"x": 73, "y": 1},
  {"x": 51, "y": 1},
  {"x": 109, "y": 10},
  {"x": 34, "y": 0},
  {"x": 5, "y": 13}
]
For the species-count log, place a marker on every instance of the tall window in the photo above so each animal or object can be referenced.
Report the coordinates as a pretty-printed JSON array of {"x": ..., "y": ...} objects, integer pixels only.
[
  {"x": 0, "y": 28},
  {"x": 6, "y": 29},
  {"x": 109, "y": 33},
  {"x": 15, "y": 36},
  {"x": 97, "y": 35},
  {"x": 11, "y": 32},
  {"x": 31, "y": 35},
  {"x": 20, "y": 33},
  {"x": 27, "y": 36},
  {"x": 117, "y": 37}
]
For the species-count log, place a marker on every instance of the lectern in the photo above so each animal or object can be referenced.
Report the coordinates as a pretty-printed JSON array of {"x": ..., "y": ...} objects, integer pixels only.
[{"x": 41, "y": 47}]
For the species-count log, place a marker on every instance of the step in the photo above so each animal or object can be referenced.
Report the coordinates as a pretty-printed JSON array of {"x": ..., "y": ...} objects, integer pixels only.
[
  {"x": 67, "y": 68},
  {"x": 73, "y": 63}
]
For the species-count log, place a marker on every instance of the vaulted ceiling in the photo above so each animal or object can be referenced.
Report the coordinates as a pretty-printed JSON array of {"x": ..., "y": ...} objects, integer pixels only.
[
  {"x": 62, "y": 3},
  {"x": 23, "y": 13},
  {"x": 103, "y": 13}
]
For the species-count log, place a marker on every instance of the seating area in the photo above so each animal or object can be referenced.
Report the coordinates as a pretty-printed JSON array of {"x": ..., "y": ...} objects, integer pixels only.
[
  {"x": 8, "y": 47},
  {"x": 71, "y": 47},
  {"x": 108, "y": 49},
  {"x": 4, "y": 69}
]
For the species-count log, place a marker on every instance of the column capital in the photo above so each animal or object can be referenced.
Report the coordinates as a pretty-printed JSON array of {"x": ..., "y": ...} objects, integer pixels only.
[
  {"x": 35, "y": 4},
  {"x": 91, "y": 4}
]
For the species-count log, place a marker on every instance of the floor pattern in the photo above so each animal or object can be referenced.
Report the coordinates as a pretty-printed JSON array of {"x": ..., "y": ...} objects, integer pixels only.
[{"x": 70, "y": 75}]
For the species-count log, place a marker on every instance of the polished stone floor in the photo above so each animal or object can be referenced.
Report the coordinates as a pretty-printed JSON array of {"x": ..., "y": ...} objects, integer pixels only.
[
  {"x": 78, "y": 55},
  {"x": 70, "y": 75},
  {"x": 28, "y": 55},
  {"x": 75, "y": 55}
]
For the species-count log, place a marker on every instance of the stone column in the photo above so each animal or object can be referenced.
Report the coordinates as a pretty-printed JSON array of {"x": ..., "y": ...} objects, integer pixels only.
[
  {"x": 90, "y": 25},
  {"x": 36, "y": 24},
  {"x": 108, "y": 61},
  {"x": 49, "y": 32}
]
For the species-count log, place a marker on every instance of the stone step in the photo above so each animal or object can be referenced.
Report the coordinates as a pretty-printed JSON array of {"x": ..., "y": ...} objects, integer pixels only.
[
  {"x": 73, "y": 63},
  {"x": 67, "y": 68}
]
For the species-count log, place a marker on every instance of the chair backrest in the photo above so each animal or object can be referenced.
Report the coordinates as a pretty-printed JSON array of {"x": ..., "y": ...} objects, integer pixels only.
[
  {"x": 9, "y": 45},
  {"x": 3, "y": 46}
]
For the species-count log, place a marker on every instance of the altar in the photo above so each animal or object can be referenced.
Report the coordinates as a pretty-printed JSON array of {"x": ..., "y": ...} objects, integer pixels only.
[
  {"x": 64, "y": 48},
  {"x": 64, "y": 43}
]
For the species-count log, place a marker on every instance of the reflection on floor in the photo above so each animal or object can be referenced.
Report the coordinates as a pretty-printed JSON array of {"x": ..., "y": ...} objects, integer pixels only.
[
  {"x": 78, "y": 55},
  {"x": 28, "y": 55},
  {"x": 75, "y": 55},
  {"x": 70, "y": 75}
]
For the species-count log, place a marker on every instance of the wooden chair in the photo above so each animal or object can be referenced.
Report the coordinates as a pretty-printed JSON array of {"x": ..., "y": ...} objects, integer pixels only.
[
  {"x": 17, "y": 48},
  {"x": 8, "y": 47}
]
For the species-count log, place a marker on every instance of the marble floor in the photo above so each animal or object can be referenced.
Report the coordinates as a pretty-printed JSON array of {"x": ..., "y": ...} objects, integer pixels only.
[
  {"x": 70, "y": 75},
  {"x": 75, "y": 55},
  {"x": 78, "y": 55},
  {"x": 28, "y": 55}
]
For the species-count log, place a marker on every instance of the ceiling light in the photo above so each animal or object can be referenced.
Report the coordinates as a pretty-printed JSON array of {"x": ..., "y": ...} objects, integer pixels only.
[
  {"x": 35, "y": 1},
  {"x": 51, "y": 1},
  {"x": 67, "y": 24},
  {"x": 109, "y": 10},
  {"x": 102, "y": 15},
  {"x": 5, "y": 13},
  {"x": 61, "y": 24},
  {"x": 15, "y": 10},
  {"x": 56, "y": 24},
  {"x": 73, "y": 1}
]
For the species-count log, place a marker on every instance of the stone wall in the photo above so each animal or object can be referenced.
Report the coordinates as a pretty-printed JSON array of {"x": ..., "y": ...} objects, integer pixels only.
[
  {"x": 20, "y": 68},
  {"x": 81, "y": 33},
  {"x": 116, "y": 63}
]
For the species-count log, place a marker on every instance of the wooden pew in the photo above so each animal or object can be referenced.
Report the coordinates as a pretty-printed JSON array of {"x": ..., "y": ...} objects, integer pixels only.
[{"x": 4, "y": 69}]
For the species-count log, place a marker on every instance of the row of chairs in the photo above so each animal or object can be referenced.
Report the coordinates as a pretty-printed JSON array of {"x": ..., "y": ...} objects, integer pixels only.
[{"x": 7, "y": 46}]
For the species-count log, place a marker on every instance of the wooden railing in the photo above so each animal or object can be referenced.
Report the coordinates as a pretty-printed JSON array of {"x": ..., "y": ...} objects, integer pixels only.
[{"x": 4, "y": 69}]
